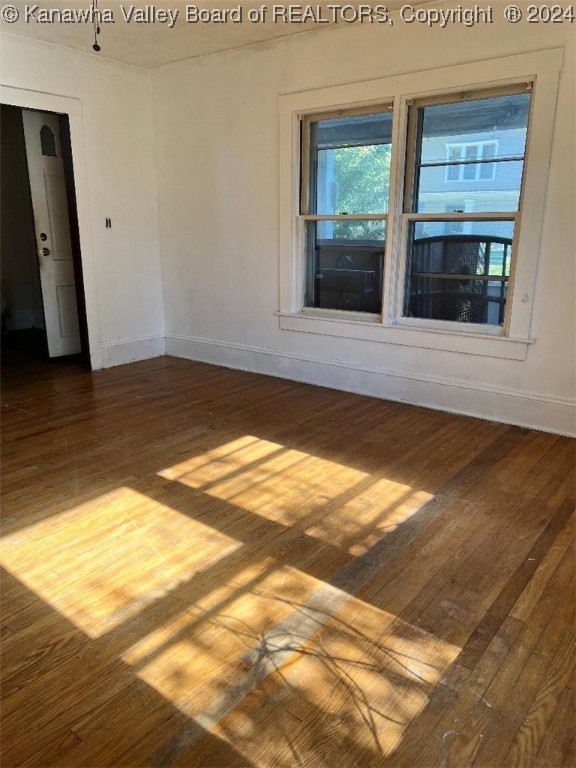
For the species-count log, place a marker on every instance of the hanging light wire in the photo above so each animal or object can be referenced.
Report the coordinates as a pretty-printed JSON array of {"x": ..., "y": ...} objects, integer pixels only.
[{"x": 96, "y": 24}]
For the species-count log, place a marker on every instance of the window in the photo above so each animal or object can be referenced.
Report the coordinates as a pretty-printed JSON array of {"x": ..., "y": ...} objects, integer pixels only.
[
  {"x": 47, "y": 141},
  {"x": 411, "y": 207},
  {"x": 471, "y": 162},
  {"x": 345, "y": 190},
  {"x": 344, "y": 204},
  {"x": 459, "y": 266}
]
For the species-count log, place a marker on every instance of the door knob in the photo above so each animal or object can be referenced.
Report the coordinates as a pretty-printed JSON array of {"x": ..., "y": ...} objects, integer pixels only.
[{"x": 45, "y": 251}]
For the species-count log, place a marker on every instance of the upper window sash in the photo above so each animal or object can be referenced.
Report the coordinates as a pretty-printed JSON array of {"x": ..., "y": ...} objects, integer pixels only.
[
  {"x": 414, "y": 162},
  {"x": 309, "y": 152}
]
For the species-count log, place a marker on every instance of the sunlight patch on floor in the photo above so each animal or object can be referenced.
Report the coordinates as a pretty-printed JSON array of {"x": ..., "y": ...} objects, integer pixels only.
[
  {"x": 324, "y": 499},
  {"x": 196, "y": 656},
  {"x": 358, "y": 683},
  {"x": 370, "y": 513},
  {"x": 220, "y": 462},
  {"x": 355, "y": 683},
  {"x": 103, "y": 562}
]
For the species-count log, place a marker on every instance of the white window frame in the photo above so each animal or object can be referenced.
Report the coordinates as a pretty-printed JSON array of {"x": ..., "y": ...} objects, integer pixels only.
[{"x": 540, "y": 71}]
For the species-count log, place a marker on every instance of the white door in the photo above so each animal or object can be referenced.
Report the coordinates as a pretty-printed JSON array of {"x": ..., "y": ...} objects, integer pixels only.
[{"x": 50, "y": 205}]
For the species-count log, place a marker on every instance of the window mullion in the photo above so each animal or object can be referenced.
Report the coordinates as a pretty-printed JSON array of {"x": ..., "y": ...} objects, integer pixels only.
[{"x": 393, "y": 254}]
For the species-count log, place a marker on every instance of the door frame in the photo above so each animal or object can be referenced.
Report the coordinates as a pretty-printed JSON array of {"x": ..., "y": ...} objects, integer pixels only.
[{"x": 84, "y": 264}]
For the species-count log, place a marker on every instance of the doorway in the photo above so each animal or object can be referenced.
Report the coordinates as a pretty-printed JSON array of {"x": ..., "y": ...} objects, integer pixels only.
[{"x": 42, "y": 295}]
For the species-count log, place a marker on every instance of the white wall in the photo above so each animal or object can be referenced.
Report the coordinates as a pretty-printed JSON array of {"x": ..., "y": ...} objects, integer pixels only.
[
  {"x": 115, "y": 177},
  {"x": 217, "y": 160}
]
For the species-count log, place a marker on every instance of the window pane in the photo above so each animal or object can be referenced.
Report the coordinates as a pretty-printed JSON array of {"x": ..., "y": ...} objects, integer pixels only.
[
  {"x": 47, "y": 141},
  {"x": 500, "y": 119},
  {"x": 350, "y": 164},
  {"x": 489, "y": 150},
  {"x": 442, "y": 267},
  {"x": 453, "y": 173},
  {"x": 344, "y": 265},
  {"x": 488, "y": 170},
  {"x": 459, "y": 143},
  {"x": 485, "y": 187},
  {"x": 484, "y": 228},
  {"x": 368, "y": 230}
]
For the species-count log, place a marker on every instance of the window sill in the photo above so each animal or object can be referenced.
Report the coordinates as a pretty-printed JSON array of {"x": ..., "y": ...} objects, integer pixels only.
[{"x": 371, "y": 329}]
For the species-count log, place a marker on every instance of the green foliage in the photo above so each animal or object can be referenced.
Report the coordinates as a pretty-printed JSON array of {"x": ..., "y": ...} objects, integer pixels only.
[{"x": 363, "y": 178}]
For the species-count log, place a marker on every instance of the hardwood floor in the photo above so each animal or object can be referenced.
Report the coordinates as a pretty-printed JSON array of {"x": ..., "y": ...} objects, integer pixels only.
[{"x": 204, "y": 567}]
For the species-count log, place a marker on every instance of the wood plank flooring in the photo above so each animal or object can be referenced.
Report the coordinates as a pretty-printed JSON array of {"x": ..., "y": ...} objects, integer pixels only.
[{"x": 204, "y": 567}]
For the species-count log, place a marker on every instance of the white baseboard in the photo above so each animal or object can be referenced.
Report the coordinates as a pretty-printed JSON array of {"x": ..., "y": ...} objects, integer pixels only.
[
  {"x": 548, "y": 413},
  {"x": 131, "y": 350}
]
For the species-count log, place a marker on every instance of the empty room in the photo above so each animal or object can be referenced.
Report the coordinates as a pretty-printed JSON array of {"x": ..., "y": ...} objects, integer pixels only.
[{"x": 288, "y": 384}]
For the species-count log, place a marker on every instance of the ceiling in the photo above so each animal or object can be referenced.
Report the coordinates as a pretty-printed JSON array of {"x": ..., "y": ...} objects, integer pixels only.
[{"x": 153, "y": 44}]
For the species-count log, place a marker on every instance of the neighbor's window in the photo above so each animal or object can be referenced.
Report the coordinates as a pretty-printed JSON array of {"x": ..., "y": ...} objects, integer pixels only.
[
  {"x": 345, "y": 188},
  {"x": 459, "y": 237},
  {"x": 462, "y": 165}
]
